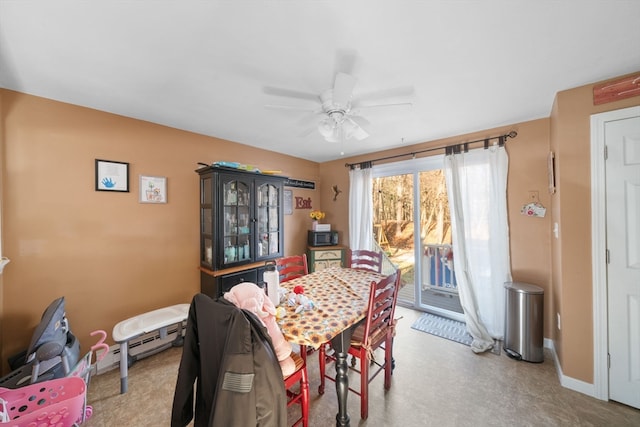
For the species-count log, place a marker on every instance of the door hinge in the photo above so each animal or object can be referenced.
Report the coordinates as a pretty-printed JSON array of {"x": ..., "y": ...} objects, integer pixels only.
[
  {"x": 607, "y": 256},
  {"x": 606, "y": 152},
  {"x": 608, "y": 361}
]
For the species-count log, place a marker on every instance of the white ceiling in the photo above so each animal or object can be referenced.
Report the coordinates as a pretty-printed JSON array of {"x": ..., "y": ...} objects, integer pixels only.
[{"x": 202, "y": 66}]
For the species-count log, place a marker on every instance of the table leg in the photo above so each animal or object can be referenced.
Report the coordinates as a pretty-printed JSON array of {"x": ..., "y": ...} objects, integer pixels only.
[
  {"x": 341, "y": 346},
  {"x": 342, "y": 390}
]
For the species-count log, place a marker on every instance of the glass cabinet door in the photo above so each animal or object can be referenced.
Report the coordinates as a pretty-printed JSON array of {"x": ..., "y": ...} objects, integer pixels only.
[
  {"x": 236, "y": 221},
  {"x": 268, "y": 219},
  {"x": 206, "y": 222}
]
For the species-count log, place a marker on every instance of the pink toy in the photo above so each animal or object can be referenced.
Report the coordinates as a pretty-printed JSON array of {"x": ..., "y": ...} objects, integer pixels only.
[{"x": 249, "y": 296}]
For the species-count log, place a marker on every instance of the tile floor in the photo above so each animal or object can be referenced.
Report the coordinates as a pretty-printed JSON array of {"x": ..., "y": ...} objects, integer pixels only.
[{"x": 436, "y": 383}]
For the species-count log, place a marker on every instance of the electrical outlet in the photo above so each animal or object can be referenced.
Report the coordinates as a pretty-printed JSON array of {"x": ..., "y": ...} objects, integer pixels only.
[{"x": 558, "y": 314}]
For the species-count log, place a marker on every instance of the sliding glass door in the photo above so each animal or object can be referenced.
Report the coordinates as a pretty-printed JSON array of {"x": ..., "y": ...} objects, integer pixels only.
[{"x": 412, "y": 227}]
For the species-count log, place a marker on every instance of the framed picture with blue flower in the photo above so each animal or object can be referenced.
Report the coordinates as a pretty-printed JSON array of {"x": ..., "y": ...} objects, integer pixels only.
[{"x": 112, "y": 176}]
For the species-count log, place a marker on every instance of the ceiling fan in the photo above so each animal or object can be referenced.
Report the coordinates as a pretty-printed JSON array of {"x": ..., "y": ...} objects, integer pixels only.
[{"x": 338, "y": 115}]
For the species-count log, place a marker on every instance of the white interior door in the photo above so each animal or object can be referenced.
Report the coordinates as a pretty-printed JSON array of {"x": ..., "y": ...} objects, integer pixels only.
[{"x": 622, "y": 140}]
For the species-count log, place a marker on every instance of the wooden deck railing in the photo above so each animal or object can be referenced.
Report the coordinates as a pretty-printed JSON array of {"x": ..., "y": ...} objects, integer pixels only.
[{"x": 437, "y": 268}]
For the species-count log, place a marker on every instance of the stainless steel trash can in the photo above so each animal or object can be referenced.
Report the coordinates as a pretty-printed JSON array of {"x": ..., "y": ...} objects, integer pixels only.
[{"x": 523, "y": 339}]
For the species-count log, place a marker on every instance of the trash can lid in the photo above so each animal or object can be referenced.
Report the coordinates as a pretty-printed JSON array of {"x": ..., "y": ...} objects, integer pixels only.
[{"x": 524, "y": 288}]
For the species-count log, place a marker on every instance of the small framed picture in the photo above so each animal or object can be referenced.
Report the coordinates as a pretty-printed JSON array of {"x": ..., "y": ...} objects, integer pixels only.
[
  {"x": 112, "y": 176},
  {"x": 153, "y": 189}
]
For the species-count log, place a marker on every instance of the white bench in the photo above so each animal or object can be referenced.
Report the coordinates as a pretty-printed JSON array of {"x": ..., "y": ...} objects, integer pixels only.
[{"x": 156, "y": 320}]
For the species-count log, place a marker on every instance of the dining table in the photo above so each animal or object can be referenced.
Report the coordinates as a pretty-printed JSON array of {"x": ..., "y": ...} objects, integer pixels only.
[{"x": 339, "y": 299}]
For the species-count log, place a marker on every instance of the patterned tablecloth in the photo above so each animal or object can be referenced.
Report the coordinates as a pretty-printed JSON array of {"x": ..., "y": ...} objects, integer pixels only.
[{"x": 340, "y": 296}]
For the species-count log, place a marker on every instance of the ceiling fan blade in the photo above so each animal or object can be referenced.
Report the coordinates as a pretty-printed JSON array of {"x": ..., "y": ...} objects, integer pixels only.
[
  {"x": 396, "y": 92},
  {"x": 307, "y": 132},
  {"x": 354, "y": 130},
  {"x": 290, "y": 107},
  {"x": 357, "y": 108},
  {"x": 360, "y": 121},
  {"x": 360, "y": 134},
  {"x": 346, "y": 61},
  {"x": 343, "y": 89},
  {"x": 290, "y": 93},
  {"x": 310, "y": 118}
]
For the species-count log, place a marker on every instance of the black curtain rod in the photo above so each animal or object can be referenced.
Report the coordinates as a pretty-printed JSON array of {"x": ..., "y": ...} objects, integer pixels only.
[{"x": 452, "y": 148}]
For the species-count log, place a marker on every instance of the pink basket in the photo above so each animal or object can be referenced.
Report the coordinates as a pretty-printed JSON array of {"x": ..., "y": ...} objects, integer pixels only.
[{"x": 54, "y": 403}]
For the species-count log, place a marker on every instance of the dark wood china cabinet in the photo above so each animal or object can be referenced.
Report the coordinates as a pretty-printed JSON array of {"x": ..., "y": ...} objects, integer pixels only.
[{"x": 241, "y": 226}]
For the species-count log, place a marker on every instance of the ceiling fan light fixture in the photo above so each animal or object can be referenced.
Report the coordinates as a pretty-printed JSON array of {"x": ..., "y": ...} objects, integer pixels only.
[
  {"x": 326, "y": 127},
  {"x": 332, "y": 138}
]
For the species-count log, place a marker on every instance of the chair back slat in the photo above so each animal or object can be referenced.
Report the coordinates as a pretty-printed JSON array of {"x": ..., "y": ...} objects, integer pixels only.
[
  {"x": 383, "y": 296},
  {"x": 292, "y": 267},
  {"x": 382, "y": 317},
  {"x": 366, "y": 260}
]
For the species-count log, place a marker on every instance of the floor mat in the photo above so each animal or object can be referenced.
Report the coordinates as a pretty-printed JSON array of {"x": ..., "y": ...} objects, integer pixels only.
[{"x": 443, "y": 327}]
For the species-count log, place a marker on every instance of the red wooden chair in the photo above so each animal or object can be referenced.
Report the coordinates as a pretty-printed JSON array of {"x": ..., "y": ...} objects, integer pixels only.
[
  {"x": 301, "y": 396},
  {"x": 292, "y": 267},
  {"x": 366, "y": 260},
  {"x": 377, "y": 331}
]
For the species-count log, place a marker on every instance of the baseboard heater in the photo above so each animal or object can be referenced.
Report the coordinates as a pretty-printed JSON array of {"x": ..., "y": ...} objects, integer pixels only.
[{"x": 139, "y": 348}]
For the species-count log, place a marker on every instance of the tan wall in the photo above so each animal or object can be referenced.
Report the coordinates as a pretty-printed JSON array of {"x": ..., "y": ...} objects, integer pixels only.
[
  {"x": 112, "y": 257},
  {"x": 530, "y": 258},
  {"x": 109, "y": 255},
  {"x": 571, "y": 141}
]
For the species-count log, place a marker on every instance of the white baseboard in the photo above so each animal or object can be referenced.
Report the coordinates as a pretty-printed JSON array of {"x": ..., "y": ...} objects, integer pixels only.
[
  {"x": 110, "y": 361},
  {"x": 568, "y": 382},
  {"x": 141, "y": 347}
]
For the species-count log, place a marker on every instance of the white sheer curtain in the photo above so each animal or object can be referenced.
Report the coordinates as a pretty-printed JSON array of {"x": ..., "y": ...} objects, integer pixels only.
[
  {"x": 477, "y": 190},
  {"x": 360, "y": 209}
]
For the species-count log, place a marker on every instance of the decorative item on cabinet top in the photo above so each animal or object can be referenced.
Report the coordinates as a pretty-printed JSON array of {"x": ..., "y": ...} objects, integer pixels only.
[{"x": 241, "y": 166}]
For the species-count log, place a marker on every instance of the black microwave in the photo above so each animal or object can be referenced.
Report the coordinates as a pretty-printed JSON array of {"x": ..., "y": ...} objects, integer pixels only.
[{"x": 322, "y": 238}]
